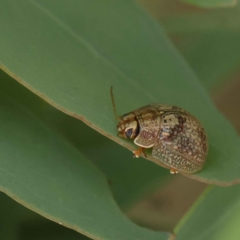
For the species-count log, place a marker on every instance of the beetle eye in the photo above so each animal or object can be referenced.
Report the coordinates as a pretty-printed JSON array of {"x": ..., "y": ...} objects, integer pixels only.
[{"x": 128, "y": 133}]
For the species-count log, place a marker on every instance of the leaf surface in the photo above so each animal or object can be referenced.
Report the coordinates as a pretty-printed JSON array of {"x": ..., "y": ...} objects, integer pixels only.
[
  {"x": 76, "y": 51},
  {"x": 41, "y": 170},
  {"x": 22, "y": 223}
]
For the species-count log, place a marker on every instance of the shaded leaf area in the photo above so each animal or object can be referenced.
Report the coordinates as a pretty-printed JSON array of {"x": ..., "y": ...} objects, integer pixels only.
[
  {"x": 19, "y": 223},
  {"x": 75, "y": 52},
  {"x": 41, "y": 170},
  {"x": 215, "y": 215},
  {"x": 213, "y": 42},
  {"x": 212, "y": 3},
  {"x": 130, "y": 179},
  {"x": 208, "y": 39},
  {"x": 213, "y": 56}
]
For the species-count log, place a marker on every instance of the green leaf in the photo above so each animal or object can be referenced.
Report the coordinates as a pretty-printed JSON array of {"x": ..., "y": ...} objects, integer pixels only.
[
  {"x": 209, "y": 40},
  {"x": 213, "y": 56},
  {"x": 215, "y": 215},
  {"x": 21, "y": 223},
  {"x": 212, "y": 3},
  {"x": 129, "y": 179},
  {"x": 43, "y": 171},
  {"x": 119, "y": 168},
  {"x": 76, "y": 51}
]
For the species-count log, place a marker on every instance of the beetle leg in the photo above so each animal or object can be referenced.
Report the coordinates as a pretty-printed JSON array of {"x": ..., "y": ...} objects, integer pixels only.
[
  {"x": 173, "y": 171},
  {"x": 138, "y": 152}
]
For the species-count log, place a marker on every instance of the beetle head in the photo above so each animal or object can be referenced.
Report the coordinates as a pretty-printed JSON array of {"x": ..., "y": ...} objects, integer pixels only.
[{"x": 128, "y": 126}]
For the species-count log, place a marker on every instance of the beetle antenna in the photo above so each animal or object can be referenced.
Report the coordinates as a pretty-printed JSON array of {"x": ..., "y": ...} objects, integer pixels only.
[{"x": 113, "y": 103}]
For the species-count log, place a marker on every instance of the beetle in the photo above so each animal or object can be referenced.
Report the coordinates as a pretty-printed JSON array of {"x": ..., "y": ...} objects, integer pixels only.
[{"x": 176, "y": 137}]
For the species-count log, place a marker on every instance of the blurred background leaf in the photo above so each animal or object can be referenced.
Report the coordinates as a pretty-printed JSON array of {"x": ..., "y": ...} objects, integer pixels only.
[
  {"x": 212, "y": 3},
  {"x": 208, "y": 39},
  {"x": 214, "y": 216}
]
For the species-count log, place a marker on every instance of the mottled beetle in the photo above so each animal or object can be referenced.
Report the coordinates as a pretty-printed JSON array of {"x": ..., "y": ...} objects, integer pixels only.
[{"x": 178, "y": 139}]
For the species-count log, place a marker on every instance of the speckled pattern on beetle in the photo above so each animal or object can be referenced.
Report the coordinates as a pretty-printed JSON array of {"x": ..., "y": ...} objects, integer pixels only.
[{"x": 178, "y": 139}]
